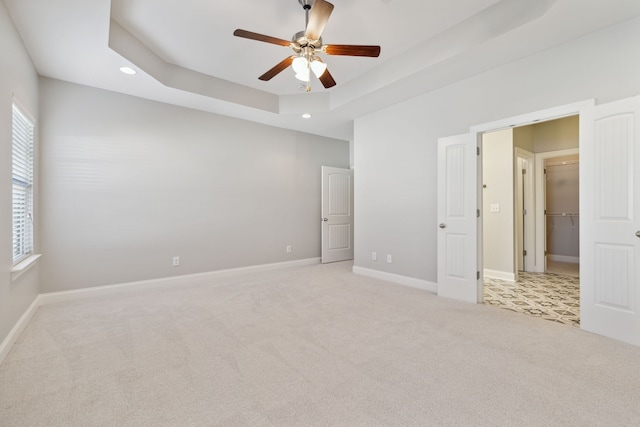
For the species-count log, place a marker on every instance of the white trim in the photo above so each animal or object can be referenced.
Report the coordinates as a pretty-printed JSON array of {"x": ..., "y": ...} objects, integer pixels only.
[
  {"x": 24, "y": 266},
  {"x": 564, "y": 258},
  {"x": 396, "y": 278},
  {"x": 55, "y": 297},
  {"x": 521, "y": 120},
  {"x": 529, "y": 223},
  {"x": 18, "y": 328},
  {"x": 535, "y": 117},
  {"x": 541, "y": 226},
  {"x": 501, "y": 275}
]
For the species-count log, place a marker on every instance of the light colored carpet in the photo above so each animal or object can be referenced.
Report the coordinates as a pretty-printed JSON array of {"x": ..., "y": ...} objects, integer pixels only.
[{"x": 309, "y": 346}]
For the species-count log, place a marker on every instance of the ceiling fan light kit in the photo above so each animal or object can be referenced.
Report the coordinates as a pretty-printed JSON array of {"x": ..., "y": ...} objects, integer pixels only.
[{"x": 307, "y": 45}]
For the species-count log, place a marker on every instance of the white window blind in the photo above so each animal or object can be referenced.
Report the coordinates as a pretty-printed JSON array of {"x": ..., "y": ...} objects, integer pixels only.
[{"x": 22, "y": 178}]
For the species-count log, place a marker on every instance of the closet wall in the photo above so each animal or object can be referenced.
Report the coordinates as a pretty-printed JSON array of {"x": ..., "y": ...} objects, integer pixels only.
[{"x": 562, "y": 209}]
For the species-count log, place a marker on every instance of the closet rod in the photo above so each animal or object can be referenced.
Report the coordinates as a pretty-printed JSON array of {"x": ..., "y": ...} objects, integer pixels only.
[
  {"x": 569, "y": 163},
  {"x": 562, "y": 214}
]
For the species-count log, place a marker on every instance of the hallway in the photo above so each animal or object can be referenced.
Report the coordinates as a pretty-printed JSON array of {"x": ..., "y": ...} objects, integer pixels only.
[{"x": 550, "y": 296}]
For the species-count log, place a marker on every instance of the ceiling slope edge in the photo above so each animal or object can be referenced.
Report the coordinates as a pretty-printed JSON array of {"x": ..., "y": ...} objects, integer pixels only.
[
  {"x": 489, "y": 23},
  {"x": 480, "y": 28},
  {"x": 170, "y": 75}
]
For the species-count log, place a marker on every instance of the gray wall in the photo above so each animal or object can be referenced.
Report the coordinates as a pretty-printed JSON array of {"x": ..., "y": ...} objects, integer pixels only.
[
  {"x": 17, "y": 77},
  {"x": 396, "y": 148},
  {"x": 128, "y": 183}
]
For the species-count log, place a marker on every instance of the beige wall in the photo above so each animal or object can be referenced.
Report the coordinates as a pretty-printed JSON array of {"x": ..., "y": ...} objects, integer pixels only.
[
  {"x": 498, "y": 227},
  {"x": 560, "y": 134}
]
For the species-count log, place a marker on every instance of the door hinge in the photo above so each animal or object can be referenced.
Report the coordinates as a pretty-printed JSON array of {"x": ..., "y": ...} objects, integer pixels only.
[
  {"x": 524, "y": 211},
  {"x": 545, "y": 253},
  {"x": 478, "y": 213},
  {"x": 524, "y": 171},
  {"x": 478, "y": 151},
  {"x": 545, "y": 171},
  {"x": 524, "y": 253},
  {"x": 477, "y": 275}
]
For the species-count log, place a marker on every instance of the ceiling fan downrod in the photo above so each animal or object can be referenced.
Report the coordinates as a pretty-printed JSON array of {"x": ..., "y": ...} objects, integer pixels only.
[{"x": 306, "y": 5}]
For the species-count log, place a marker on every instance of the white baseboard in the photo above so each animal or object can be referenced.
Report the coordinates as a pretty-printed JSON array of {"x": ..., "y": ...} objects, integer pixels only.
[
  {"x": 564, "y": 258},
  {"x": 54, "y": 297},
  {"x": 396, "y": 278},
  {"x": 14, "y": 334},
  {"x": 501, "y": 275}
]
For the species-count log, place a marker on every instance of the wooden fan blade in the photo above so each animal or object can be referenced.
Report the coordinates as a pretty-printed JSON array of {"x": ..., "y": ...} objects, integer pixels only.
[
  {"x": 261, "y": 37},
  {"x": 352, "y": 50},
  {"x": 282, "y": 65},
  {"x": 318, "y": 18},
  {"x": 327, "y": 79}
]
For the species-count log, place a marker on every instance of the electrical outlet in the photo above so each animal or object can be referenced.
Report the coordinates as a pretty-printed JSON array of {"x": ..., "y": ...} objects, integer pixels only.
[
  {"x": 389, "y": 258},
  {"x": 374, "y": 256},
  {"x": 494, "y": 207},
  {"x": 288, "y": 249},
  {"x": 176, "y": 261}
]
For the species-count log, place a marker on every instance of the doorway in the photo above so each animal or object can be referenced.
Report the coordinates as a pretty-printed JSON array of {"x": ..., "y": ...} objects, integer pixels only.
[{"x": 530, "y": 219}]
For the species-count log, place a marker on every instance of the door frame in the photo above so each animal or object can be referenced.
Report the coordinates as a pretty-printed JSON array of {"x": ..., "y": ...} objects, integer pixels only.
[
  {"x": 512, "y": 122},
  {"x": 528, "y": 222},
  {"x": 541, "y": 224}
]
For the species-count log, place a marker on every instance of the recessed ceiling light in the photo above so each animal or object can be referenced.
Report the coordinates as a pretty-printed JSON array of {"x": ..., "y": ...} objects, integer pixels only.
[
  {"x": 128, "y": 70},
  {"x": 306, "y": 116}
]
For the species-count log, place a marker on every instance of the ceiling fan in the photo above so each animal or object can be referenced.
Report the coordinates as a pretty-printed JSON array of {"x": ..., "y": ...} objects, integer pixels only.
[{"x": 307, "y": 44}]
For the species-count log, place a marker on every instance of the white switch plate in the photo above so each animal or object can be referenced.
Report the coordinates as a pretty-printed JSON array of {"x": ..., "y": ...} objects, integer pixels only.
[
  {"x": 288, "y": 249},
  {"x": 495, "y": 207},
  {"x": 374, "y": 256},
  {"x": 389, "y": 258},
  {"x": 176, "y": 261}
]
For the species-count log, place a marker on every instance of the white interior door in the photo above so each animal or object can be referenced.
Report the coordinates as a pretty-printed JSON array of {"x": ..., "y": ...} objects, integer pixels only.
[
  {"x": 610, "y": 220},
  {"x": 457, "y": 219},
  {"x": 337, "y": 214}
]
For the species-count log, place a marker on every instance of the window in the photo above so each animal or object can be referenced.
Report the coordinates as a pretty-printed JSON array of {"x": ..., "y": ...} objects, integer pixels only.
[{"x": 22, "y": 178}]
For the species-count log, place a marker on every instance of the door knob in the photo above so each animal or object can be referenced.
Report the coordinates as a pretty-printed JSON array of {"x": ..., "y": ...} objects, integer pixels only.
[
  {"x": 442, "y": 225},
  {"x": 325, "y": 219},
  {"x": 638, "y": 233}
]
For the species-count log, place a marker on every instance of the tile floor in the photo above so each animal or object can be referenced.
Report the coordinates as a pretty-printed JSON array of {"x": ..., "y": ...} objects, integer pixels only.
[{"x": 550, "y": 296}]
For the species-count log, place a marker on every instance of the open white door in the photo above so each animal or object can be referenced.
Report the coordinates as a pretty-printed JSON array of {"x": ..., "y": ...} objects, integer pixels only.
[
  {"x": 337, "y": 214},
  {"x": 610, "y": 220},
  {"x": 457, "y": 218}
]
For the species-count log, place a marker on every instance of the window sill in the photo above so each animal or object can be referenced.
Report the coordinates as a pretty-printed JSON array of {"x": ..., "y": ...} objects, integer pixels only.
[{"x": 23, "y": 266}]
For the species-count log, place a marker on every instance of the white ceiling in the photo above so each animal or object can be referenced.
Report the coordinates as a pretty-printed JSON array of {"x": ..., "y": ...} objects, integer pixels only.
[{"x": 186, "y": 54}]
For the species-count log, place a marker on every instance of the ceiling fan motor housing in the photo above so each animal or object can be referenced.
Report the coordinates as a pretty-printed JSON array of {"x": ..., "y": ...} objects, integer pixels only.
[{"x": 300, "y": 41}]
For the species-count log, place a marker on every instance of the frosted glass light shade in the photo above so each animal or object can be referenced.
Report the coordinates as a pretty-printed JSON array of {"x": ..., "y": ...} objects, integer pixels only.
[
  {"x": 299, "y": 64},
  {"x": 303, "y": 76},
  {"x": 318, "y": 67}
]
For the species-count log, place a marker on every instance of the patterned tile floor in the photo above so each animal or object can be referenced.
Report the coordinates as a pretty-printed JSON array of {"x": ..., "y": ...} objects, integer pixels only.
[{"x": 550, "y": 296}]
